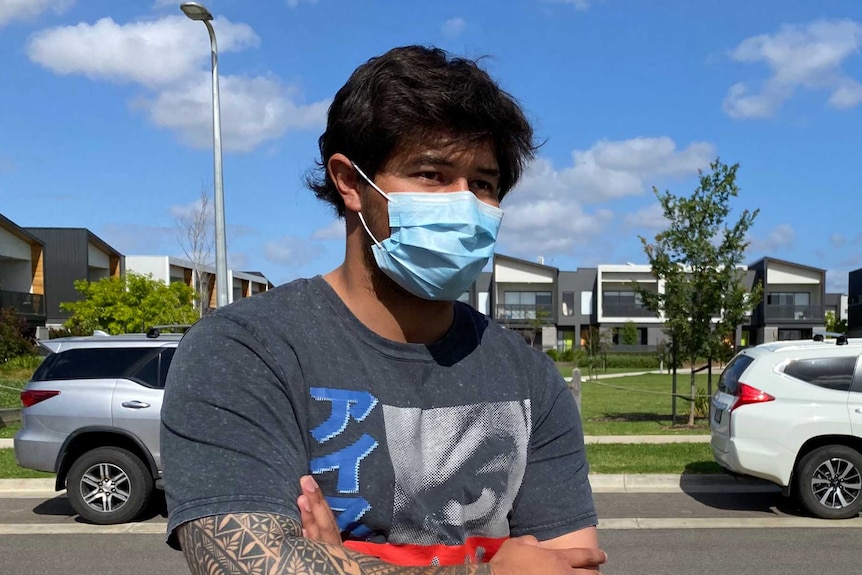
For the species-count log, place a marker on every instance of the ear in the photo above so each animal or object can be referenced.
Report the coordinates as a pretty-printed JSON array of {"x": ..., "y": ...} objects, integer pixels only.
[{"x": 346, "y": 180}]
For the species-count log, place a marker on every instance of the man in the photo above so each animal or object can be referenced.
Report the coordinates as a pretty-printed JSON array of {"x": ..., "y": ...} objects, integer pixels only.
[{"x": 442, "y": 443}]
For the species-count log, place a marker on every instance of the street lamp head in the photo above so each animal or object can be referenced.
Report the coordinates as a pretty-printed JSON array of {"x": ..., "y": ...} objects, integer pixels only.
[{"x": 196, "y": 11}]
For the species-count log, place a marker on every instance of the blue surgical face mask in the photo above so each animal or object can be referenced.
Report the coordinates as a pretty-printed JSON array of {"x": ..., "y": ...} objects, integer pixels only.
[{"x": 439, "y": 242}]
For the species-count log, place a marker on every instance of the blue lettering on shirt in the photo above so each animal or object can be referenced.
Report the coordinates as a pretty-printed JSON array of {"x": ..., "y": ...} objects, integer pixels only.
[
  {"x": 345, "y": 404},
  {"x": 346, "y": 461}
]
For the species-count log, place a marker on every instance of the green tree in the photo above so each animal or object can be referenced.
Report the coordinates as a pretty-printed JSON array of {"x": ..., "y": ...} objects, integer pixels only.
[
  {"x": 540, "y": 318},
  {"x": 596, "y": 342},
  {"x": 14, "y": 335},
  {"x": 129, "y": 303},
  {"x": 698, "y": 259},
  {"x": 834, "y": 324},
  {"x": 629, "y": 333}
]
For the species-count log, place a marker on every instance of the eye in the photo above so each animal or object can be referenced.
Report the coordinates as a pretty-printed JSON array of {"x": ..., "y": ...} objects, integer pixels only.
[
  {"x": 483, "y": 188},
  {"x": 435, "y": 176}
]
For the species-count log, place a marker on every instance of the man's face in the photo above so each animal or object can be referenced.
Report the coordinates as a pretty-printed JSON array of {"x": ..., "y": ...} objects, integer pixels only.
[
  {"x": 442, "y": 168},
  {"x": 454, "y": 167}
]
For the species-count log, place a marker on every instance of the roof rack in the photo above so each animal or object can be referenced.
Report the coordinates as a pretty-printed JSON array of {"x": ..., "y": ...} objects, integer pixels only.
[{"x": 156, "y": 330}]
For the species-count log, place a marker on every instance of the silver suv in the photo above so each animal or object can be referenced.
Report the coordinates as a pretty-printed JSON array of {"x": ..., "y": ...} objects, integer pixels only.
[{"x": 91, "y": 415}]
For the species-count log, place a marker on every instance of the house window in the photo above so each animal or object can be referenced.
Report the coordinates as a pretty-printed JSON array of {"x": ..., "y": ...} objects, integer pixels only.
[
  {"x": 525, "y": 304},
  {"x": 568, "y": 304},
  {"x": 586, "y": 303}
]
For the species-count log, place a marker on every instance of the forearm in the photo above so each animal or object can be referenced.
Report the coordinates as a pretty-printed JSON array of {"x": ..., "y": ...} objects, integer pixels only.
[{"x": 272, "y": 545}]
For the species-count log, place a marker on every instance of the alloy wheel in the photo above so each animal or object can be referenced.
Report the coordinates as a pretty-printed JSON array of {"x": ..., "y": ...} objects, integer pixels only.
[
  {"x": 836, "y": 483},
  {"x": 105, "y": 487}
]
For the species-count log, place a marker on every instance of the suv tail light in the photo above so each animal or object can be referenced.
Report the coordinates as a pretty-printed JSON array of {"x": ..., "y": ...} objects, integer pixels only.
[
  {"x": 31, "y": 397},
  {"x": 746, "y": 395}
]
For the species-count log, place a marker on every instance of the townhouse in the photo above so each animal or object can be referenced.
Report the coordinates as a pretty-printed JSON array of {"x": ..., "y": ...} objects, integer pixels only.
[
  {"x": 554, "y": 308},
  {"x": 854, "y": 307},
  {"x": 39, "y": 266},
  {"x": 22, "y": 272},
  {"x": 170, "y": 269}
]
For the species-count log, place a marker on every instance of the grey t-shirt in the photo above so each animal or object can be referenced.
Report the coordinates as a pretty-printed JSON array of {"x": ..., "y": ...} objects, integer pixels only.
[{"x": 425, "y": 452}]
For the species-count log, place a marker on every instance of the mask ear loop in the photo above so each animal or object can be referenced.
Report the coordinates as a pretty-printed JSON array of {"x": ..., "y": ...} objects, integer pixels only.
[{"x": 381, "y": 192}]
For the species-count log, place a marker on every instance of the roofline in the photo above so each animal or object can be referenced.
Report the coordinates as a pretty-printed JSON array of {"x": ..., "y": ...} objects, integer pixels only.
[
  {"x": 522, "y": 261},
  {"x": 91, "y": 237},
  {"x": 17, "y": 230},
  {"x": 767, "y": 259}
]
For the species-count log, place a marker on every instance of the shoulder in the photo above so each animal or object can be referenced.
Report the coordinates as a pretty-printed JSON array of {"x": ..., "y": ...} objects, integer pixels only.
[{"x": 508, "y": 347}]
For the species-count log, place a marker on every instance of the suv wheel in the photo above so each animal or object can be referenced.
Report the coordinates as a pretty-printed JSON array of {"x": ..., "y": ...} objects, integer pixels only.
[
  {"x": 829, "y": 482},
  {"x": 109, "y": 485}
]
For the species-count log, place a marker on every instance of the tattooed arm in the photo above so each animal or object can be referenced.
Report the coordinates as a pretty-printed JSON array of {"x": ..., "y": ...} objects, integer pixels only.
[{"x": 266, "y": 544}]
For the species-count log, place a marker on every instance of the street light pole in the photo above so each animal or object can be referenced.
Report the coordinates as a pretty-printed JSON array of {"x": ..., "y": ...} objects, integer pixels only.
[{"x": 198, "y": 12}]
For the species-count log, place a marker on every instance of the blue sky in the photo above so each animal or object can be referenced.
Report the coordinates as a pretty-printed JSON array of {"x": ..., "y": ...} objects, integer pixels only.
[{"x": 105, "y": 118}]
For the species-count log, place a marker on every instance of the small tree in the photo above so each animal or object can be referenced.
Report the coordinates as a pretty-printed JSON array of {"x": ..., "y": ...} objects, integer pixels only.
[
  {"x": 596, "y": 344},
  {"x": 129, "y": 303},
  {"x": 834, "y": 324},
  {"x": 195, "y": 236},
  {"x": 540, "y": 319},
  {"x": 697, "y": 258},
  {"x": 14, "y": 335},
  {"x": 629, "y": 333}
]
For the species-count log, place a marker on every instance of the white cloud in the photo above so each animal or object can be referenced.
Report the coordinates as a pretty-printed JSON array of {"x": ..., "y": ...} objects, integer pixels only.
[
  {"x": 453, "y": 27},
  {"x": 28, "y": 9},
  {"x": 579, "y": 5},
  {"x": 334, "y": 231},
  {"x": 153, "y": 53},
  {"x": 184, "y": 211},
  {"x": 166, "y": 3},
  {"x": 808, "y": 57},
  {"x": 291, "y": 251},
  {"x": 170, "y": 57},
  {"x": 781, "y": 237},
  {"x": 548, "y": 213},
  {"x": 837, "y": 240},
  {"x": 648, "y": 218},
  {"x": 253, "y": 110}
]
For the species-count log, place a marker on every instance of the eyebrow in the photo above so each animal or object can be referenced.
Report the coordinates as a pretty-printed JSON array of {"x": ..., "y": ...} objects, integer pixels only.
[{"x": 430, "y": 158}]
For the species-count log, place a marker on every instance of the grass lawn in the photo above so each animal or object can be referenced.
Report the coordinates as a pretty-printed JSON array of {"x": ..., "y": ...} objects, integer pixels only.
[
  {"x": 664, "y": 458},
  {"x": 10, "y": 392},
  {"x": 9, "y": 431},
  {"x": 10, "y": 470},
  {"x": 603, "y": 458},
  {"x": 637, "y": 405}
]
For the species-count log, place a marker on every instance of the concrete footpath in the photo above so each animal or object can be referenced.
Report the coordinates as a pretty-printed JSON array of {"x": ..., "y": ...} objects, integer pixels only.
[
  {"x": 602, "y": 483},
  {"x": 589, "y": 439}
]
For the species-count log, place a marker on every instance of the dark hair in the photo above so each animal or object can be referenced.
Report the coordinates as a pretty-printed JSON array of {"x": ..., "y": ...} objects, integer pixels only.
[{"x": 410, "y": 96}]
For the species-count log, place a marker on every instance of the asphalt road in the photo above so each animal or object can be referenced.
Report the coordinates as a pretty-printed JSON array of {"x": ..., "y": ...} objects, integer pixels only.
[{"x": 42, "y": 536}]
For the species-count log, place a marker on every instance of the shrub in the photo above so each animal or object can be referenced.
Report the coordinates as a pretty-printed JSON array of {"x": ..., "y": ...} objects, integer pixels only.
[
  {"x": 23, "y": 363},
  {"x": 15, "y": 336},
  {"x": 568, "y": 355},
  {"x": 553, "y": 354},
  {"x": 632, "y": 360},
  {"x": 701, "y": 403}
]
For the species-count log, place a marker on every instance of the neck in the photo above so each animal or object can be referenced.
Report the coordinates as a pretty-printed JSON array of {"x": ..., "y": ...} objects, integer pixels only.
[{"x": 389, "y": 311}]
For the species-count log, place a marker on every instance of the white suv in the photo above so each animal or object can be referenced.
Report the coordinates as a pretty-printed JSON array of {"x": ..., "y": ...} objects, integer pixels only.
[{"x": 791, "y": 413}]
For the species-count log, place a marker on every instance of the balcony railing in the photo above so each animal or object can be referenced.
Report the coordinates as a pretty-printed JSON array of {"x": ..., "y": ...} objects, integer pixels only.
[
  {"x": 616, "y": 310},
  {"x": 522, "y": 312},
  {"x": 22, "y": 302},
  {"x": 794, "y": 312}
]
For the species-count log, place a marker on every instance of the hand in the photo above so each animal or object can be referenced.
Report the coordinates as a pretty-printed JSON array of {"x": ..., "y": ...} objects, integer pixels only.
[
  {"x": 318, "y": 521},
  {"x": 525, "y": 556}
]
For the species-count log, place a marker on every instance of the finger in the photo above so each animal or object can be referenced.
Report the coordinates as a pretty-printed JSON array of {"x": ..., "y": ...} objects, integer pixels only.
[
  {"x": 584, "y": 557},
  {"x": 310, "y": 529},
  {"x": 527, "y": 540},
  {"x": 324, "y": 520}
]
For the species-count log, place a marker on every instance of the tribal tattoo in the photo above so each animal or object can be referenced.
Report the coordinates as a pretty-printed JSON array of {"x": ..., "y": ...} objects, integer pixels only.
[{"x": 268, "y": 544}]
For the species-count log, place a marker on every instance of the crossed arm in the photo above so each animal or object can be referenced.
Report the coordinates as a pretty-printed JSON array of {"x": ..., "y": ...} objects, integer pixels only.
[
  {"x": 269, "y": 544},
  {"x": 266, "y": 544}
]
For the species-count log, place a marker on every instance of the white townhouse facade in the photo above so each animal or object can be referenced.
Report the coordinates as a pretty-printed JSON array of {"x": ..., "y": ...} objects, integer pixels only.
[{"x": 169, "y": 269}]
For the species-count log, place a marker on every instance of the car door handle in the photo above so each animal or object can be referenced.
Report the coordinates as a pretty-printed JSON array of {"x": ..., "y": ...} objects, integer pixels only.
[{"x": 136, "y": 404}]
